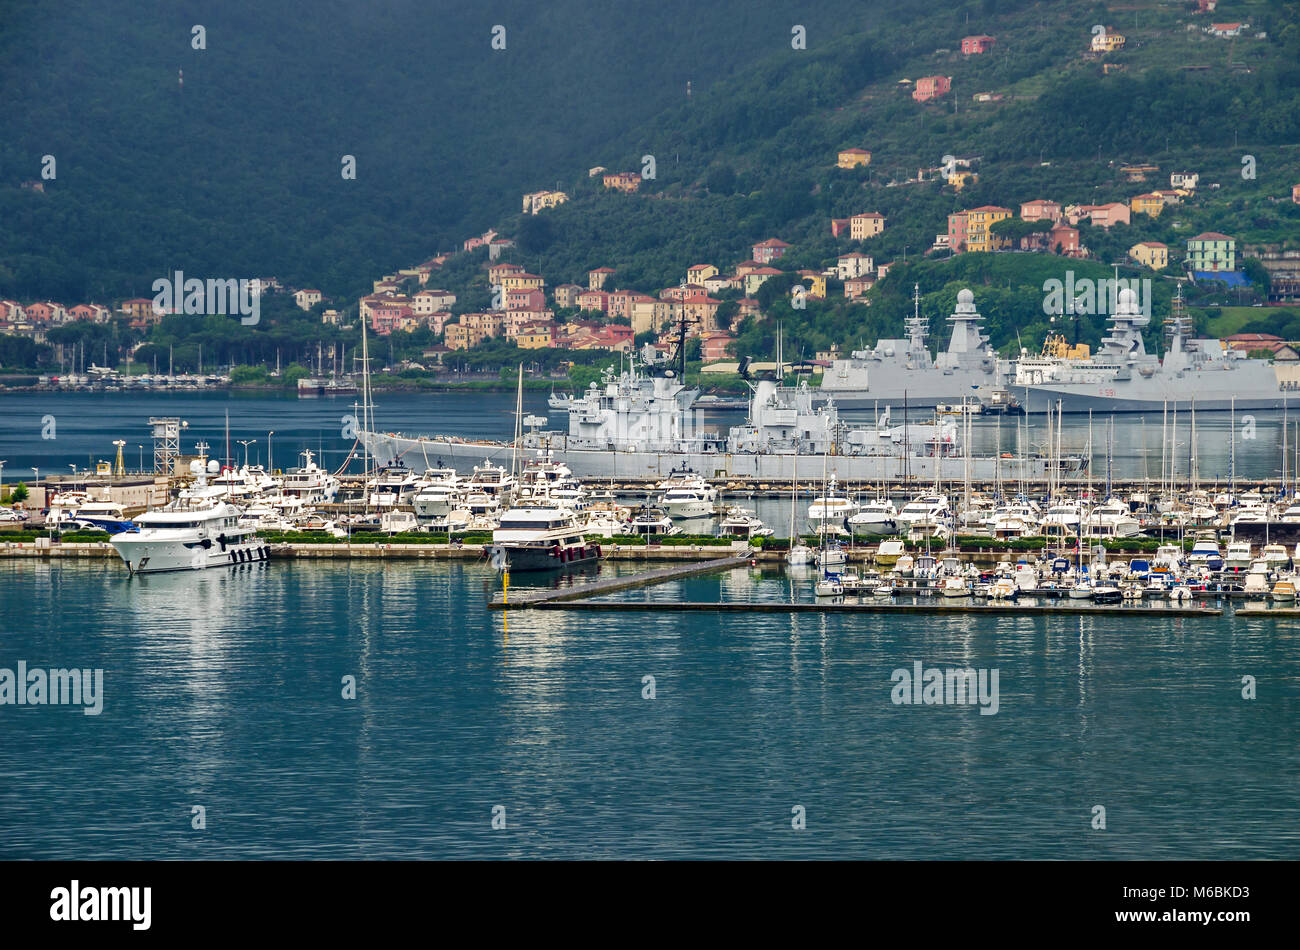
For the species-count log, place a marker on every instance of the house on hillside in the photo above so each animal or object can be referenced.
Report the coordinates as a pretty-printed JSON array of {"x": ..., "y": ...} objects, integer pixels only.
[
  {"x": 979, "y": 223},
  {"x": 931, "y": 87},
  {"x": 306, "y": 298},
  {"x": 853, "y": 158},
  {"x": 626, "y": 182},
  {"x": 866, "y": 225},
  {"x": 1149, "y": 204},
  {"x": 1211, "y": 252},
  {"x": 1107, "y": 41},
  {"x": 1150, "y": 254},
  {"x": 1040, "y": 209},
  {"x": 596, "y": 279},
  {"x": 765, "y": 252},
  {"x": 974, "y": 45}
]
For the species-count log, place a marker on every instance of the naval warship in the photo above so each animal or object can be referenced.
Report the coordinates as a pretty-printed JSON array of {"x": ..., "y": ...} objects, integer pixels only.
[
  {"x": 1123, "y": 377},
  {"x": 898, "y": 371},
  {"x": 640, "y": 423}
]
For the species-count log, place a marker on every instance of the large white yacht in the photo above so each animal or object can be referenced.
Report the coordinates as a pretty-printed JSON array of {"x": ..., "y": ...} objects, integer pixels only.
[
  {"x": 875, "y": 519},
  {"x": 310, "y": 483},
  {"x": 1111, "y": 520},
  {"x": 197, "y": 530},
  {"x": 541, "y": 537},
  {"x": 687, "y": 495}
]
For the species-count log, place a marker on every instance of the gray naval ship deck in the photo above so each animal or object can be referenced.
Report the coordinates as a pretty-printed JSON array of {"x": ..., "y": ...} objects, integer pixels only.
[
  {"x": 895, "y": 372},
  {"x": 1123, "y": 377},
  {"x": 638, "y": 425}
]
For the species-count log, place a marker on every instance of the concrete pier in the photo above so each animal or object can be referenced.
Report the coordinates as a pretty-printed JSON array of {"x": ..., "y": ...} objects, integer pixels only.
[
  {"x": 609, "y": 585},
  {"x": 867, "y": 607}
]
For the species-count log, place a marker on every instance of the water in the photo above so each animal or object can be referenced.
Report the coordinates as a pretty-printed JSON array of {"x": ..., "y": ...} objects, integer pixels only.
[
  {"x": 223, "y": 689},
  {"x": 86, "y": 424}
]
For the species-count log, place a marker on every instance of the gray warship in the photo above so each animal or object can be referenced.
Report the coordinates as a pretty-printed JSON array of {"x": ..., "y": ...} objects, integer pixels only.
[
  {"x": 895, "y": 371},
  {"x": 639, "y": 423},
  {"x": 1123, "y": 377}
]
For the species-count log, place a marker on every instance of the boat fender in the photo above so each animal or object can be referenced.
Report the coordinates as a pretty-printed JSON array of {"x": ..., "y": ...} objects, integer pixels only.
[
  {"x": 207, "y": 543},
  {"x": 557, "y": 553},
  {"x": 596, "y": 548},
  {"x": 221, "y": 539}
]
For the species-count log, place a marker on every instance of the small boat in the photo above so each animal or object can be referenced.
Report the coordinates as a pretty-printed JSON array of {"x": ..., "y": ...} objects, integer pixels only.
[
  {"x": 889, "y": 552},
  {"x": 829, "y": 586},
  {"x": 954, "y": 587},
  {"x": 1004, "y": 588},
  {"x": 1107, "y": 594},
  {"x": 1180, "y": 593},
  {"x": 1284, "y": 590}
]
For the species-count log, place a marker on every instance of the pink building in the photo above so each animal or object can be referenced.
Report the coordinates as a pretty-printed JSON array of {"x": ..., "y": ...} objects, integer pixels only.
[
  {"x": 387, "y": 317},
  {"x": 1040, "y": 209},
  {"x": 525, "y": 299},
  {"x": 974, "y": 45},
  {"x": 770, "y": 250},
  {"x": 957, "y": 232},
  {"x": 931, "y": 87},
  {"x": 713, "y": 346}
]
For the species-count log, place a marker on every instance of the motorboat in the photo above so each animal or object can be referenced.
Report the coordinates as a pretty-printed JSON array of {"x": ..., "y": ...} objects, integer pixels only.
[{"x": 541, "y": 537}]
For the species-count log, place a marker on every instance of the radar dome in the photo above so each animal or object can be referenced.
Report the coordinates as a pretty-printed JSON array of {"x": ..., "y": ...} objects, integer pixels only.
[
  {"x": 1128, "y": 298},
  {"x": 213, "y": 466},
  {"x": 196, "y": 467},
  {"x": 965, "y": 296}
]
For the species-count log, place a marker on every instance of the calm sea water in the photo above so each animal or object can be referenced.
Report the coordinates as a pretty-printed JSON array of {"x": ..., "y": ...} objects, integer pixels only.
[
  {"x": 223, "y": 690},
  {"x": 85, "y": 426}
]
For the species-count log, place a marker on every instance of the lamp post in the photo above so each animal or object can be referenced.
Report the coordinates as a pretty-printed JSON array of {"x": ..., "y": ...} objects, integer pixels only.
[
  {"x": 246, "y": 443},
  {"x": 2, "y": 477},
  {"x": 270, "y": 462},
  {"x": 141, "y": 448}
]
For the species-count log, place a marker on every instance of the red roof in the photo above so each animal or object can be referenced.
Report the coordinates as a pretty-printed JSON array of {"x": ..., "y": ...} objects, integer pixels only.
[{"x": 1211, "y": 236}]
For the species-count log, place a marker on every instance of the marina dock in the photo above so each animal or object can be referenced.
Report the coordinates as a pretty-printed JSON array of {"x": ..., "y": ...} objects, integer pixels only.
[
  {"x": 1064, "y": 607},
  {"x": 538, "y": 598}
]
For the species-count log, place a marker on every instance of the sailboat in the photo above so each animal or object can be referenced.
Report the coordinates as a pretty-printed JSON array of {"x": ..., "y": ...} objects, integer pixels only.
[{"x": 799, "y": 554}]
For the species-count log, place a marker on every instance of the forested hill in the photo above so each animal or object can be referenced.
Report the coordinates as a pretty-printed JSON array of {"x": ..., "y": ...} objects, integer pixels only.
[{"x": 239, "y": 170}]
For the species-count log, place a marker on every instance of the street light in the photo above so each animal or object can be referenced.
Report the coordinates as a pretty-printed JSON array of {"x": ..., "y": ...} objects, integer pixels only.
[
  {"x": 2, "y": 477},
  {"x": 270, "y": 462},
  {"x": 141, "y": 448},
  {"x": 246, "y": 443}
]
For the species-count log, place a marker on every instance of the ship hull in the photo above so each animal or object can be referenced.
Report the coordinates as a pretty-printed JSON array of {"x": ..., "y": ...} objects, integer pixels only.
[
  {"x": 548, "y": 559},
  {"x": 603, "y": 463},
  {"x": 145, "y": 556},
  {"x": 1088, "y": 399}
]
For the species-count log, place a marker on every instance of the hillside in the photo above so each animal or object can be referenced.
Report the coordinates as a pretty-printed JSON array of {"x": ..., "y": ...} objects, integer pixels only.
[{"x": 239, "y": 173}]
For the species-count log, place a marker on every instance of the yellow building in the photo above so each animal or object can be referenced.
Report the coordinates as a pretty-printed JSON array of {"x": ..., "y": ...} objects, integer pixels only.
[
  {"x": 815, "y": 282},
  {"x": 1150, "y": 254},
  {"x": 959, "y": 179},
  {"x": 979, "y": 221},
  {"x": 622, "y": 181},
  {"x": 854, "y": 158},
  {"x": 458, "y": 337},
  {"x": 1107, "y": 41},
  {"x": 1150, "y": 204},
  {"x": 538, "y": 200},
  {"x": 535, "y": 336},
  {"x": 863, "y": 226},
  {"x": 523, "y": 281}
]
